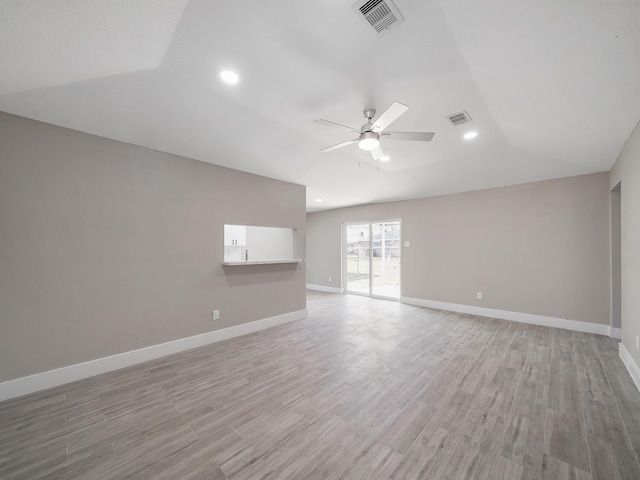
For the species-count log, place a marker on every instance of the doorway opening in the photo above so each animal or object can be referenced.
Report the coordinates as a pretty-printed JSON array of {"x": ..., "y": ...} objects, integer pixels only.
[{"x": 371, "y": 258}]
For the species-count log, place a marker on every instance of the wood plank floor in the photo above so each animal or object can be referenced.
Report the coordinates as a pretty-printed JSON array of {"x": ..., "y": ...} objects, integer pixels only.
[{"x": 362, "y": 389}]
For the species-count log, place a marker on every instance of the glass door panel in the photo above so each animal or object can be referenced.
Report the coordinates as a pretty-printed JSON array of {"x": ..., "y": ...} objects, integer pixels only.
[
  {"x": 357, "y": 258},
  {"x": 385, "y": 260}
]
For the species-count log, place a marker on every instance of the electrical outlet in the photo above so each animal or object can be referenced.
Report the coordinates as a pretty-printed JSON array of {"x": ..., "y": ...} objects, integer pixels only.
[
  {"x": 479, "y": 296},
  {"x": 216, "y": 314},
  {"x": 638, "y": 343},
  {"x": 329, "y": 279}
]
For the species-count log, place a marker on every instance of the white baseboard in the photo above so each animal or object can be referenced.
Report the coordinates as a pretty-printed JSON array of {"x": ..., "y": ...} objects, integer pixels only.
[
  {"x": 323, "y": 288},
  {"x": 616, "y": 333},
  {"x": 60, "y": 376},
  {"x": 513, "y": 316},
  {"x": 632, "y": 366}
]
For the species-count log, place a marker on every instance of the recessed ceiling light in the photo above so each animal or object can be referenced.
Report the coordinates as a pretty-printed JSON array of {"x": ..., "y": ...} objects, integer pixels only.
[
  {"x": 318, "y": 199},
  {"x": 470, "y": 135},
  {"x": 385, "y": 158},
  {"x": 229, "y": 76}
]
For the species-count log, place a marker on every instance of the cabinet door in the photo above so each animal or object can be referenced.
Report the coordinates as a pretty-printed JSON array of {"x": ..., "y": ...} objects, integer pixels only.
[
  {"x": 240, "y": 235},
  {"x": 235, "y": 235},
  {"x": 228, "y": 235}
]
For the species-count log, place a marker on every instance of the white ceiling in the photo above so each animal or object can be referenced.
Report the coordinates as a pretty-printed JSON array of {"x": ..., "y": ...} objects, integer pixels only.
[{"x": 553, "y": 87}]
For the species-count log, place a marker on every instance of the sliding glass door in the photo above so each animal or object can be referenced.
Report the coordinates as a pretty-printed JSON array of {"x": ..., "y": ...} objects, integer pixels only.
[{"x": 372, "y": 258}]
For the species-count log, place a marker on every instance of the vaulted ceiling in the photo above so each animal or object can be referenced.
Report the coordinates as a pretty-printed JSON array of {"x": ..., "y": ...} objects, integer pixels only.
[{"x": 553, "y": 88}]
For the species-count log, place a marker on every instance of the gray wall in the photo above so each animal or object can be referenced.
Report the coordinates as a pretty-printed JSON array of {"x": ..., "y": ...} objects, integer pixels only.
[
  {"x": 106, "y": 247},
  {"x": 540, "y": 248},
  {"x": 626, "y": 171}
]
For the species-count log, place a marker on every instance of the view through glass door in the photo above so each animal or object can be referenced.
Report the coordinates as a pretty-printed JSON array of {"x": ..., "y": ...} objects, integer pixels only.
[{"x": 372, "y": 258}]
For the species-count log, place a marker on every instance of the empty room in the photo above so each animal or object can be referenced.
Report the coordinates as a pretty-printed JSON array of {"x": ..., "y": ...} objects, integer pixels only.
[{"x": 390, "y": 239}]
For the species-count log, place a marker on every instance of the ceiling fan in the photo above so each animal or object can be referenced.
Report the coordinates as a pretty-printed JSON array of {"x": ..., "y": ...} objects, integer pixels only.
[{"x": 371, "y": 132}]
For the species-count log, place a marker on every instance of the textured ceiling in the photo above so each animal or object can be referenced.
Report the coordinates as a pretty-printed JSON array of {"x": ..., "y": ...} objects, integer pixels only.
[{"x": 553, "y": 87}]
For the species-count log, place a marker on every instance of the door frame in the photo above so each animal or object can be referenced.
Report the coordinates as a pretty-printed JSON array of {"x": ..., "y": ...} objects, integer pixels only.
[{"x": 343, "y": 251}]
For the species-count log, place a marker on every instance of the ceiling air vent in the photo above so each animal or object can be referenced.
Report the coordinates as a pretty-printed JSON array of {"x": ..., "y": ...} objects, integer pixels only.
[
  {"x": 381, "y": 15},
  {"x": 459, "y": 118}
]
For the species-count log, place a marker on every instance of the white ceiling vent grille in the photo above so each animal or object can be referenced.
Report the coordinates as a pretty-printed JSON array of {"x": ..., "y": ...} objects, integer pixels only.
[
  {"x": 381, "y": 15},
  {"x": 459, "y": 118}
]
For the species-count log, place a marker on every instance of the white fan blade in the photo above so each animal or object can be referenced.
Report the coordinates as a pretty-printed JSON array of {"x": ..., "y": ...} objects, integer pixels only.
[
  {"x": 339, "y": 145},
  {"x": 388, "y": 116},
  {"x": 327, "y": 123},
  {"x": 377, "y": 153},
  {"x": 414, "y": 136}
]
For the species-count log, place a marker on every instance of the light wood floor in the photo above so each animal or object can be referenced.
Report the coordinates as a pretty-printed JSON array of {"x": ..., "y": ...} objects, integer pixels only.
[{"x": 362, "y": 389}]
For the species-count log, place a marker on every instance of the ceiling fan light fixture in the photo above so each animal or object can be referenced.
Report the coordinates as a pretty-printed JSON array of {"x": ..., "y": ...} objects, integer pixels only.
[{"x": 369, "y": 141}]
